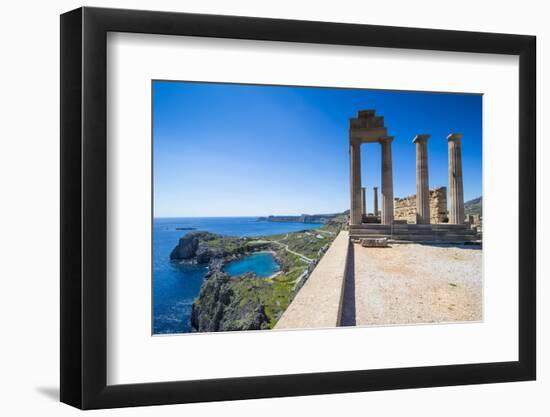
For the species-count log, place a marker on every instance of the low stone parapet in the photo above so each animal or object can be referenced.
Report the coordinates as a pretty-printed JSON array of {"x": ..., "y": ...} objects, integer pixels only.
[{"x": 319, "y": 301}]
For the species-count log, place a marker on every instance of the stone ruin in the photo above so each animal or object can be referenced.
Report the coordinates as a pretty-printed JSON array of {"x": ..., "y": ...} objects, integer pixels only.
[
  {"x": 405, "y": 208},
  {"x": 422, "y": 217}
]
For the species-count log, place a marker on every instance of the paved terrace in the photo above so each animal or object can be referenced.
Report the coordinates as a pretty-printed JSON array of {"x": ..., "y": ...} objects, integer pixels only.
[
  {"x": 404, "y": 284},
  {"x": 415, "y": 283}
]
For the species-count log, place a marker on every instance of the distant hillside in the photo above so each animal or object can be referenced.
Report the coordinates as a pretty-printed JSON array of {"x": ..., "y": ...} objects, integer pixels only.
[
  {"x": 307, "y": 218},
  {"x": 473, "y": 206}
]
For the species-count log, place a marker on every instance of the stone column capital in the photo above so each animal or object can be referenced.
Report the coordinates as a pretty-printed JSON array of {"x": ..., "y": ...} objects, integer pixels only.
[
  {"x": 454, "y": 137},
  {"x": 385, "y": 139},
  {"x": 421, "y": 138}
]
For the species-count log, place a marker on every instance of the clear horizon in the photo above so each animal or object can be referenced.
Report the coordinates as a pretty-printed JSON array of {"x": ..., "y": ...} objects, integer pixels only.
[{"x": 221, "y": 150}]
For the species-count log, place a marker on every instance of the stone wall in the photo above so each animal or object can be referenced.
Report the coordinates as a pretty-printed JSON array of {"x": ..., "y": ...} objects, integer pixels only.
[
  {"x": 319, "y": 302},
  {"x": 405, "y": 208}
]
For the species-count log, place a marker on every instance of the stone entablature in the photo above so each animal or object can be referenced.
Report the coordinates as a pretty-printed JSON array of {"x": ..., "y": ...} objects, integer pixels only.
[
  {"x": 369, "y": 128},
  {"x": 405, "y": 208}
]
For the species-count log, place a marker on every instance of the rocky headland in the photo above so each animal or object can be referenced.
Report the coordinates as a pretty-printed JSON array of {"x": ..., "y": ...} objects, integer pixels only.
[
  {"x": 227, "y": 303},
  {"x": 249, "y": 302},
  {"x": 203, "y": 247}
]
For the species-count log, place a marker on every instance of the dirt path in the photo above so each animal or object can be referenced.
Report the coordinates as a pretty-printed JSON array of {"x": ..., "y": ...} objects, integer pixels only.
[
  {"x": 414, "y": 283},
  {"x": 303, "y": 257},
  {"x": 285, "y": 246}
]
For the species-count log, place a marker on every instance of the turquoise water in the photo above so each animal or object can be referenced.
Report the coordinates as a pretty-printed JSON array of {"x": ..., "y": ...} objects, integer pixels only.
[
  {"x": 176, "y": 286},
  {"x": 262, "y": 264}
]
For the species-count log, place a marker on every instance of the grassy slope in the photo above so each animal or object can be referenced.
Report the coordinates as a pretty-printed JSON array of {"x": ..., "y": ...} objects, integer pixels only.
[
  {"x": 474, "y": 206},
  {"x": 277, "y": 295}
]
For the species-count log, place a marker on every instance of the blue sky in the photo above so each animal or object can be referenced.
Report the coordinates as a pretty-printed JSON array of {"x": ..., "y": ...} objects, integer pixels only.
[{"x": 240, "y": 150}]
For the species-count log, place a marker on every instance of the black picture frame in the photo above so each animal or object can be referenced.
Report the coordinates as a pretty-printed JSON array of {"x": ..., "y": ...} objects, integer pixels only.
[{"x": 84, "y": 207}]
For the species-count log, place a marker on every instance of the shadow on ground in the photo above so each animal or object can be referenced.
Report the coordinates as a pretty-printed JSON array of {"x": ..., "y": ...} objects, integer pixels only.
[
  {"x": 348, "y": 307},
  {"x": 50, "y": 392},
  {"x": 468, "y": 245}
]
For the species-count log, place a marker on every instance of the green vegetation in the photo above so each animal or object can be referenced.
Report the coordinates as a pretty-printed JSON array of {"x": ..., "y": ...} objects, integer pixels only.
[
  {"x": 474, "y": 207},
  {"x": 223, "y": 244},
  {"x": 227, "y": 304},
  {"x": 306, "y": 243},
  {"x": 309, "y": 243},
  {"x": 281, "y": 290},
  {"x": 304, "y": 218},
  {"x": 248, "y": 302},
  {"x": 278, "y": 296},
  {"x": 297, "y": 254},
  {"x": 273, "y": 294}
]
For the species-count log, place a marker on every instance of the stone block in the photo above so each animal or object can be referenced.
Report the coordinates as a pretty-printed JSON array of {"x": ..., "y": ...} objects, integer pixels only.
[{"x": 375, "y": 243}]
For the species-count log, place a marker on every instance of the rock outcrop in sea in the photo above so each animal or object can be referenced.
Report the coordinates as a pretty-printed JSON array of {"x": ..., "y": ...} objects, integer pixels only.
[
  {"x": 187, "y": 246},
  {"x": 201, "y": 247}
]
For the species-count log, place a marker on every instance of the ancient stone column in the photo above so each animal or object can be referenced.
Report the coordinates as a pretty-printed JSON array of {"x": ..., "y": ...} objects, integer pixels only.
[
  {"x": 456, "y": 190},
  {"x": 363, "y": 201},
  {"x": 422, "y": 184},
  {"x": 355, "y": 183},
  {"x": 376, "y": 201},
  {"x": 387, "y": 180}
]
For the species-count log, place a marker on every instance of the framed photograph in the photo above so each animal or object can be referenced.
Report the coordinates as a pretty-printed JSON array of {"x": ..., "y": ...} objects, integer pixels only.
[{"x": 257, "y": 208}]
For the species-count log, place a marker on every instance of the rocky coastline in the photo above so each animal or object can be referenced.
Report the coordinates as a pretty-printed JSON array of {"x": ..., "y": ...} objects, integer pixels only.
[
  {"x": 203, "y": 247},
  {"x": 303, "y": 218},
  {"x": 249, "y": 302},
  {"x": 224, "y": 303}
]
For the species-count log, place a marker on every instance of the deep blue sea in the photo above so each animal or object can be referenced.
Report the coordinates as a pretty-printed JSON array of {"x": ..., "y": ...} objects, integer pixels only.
[{"x": 175, "y": 286}]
